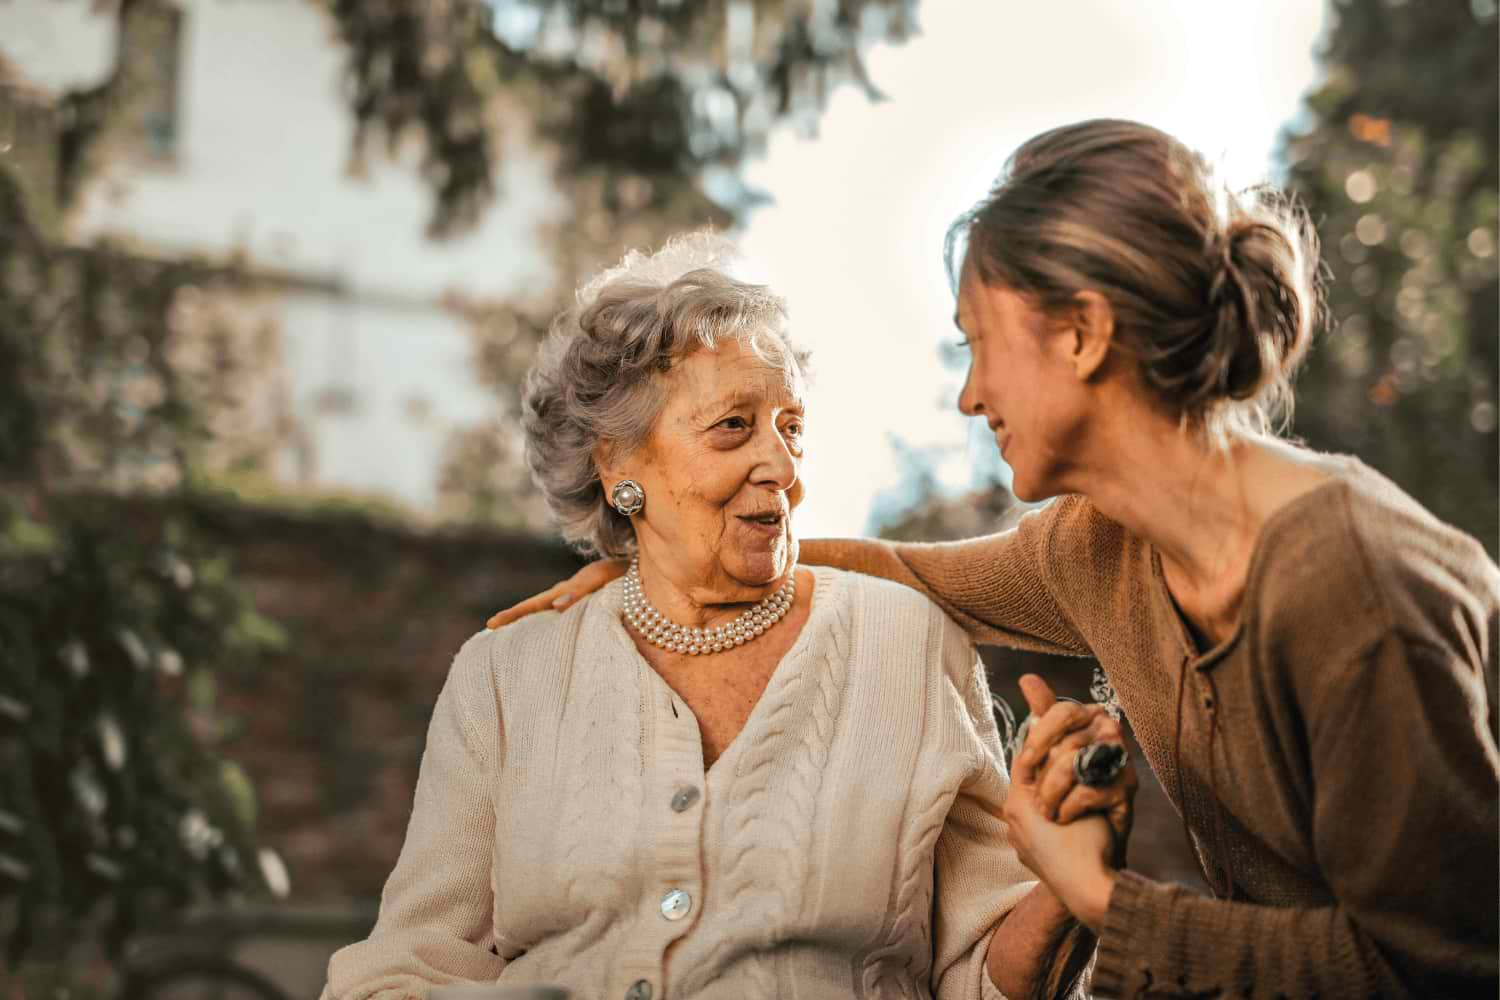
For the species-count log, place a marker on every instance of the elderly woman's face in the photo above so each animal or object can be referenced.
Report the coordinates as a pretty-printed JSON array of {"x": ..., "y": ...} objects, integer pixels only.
[{"x": 721, "y": 471}]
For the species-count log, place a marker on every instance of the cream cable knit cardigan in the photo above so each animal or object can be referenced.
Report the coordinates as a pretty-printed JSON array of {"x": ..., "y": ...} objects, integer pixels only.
[{"x": 846, "y": 844}]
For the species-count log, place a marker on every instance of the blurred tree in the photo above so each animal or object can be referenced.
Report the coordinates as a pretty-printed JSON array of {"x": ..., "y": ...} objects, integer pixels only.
[
  {"x": 918, "y": 508},
  {"x": 645, "y": 103},
  {"x": 123, "y": 374},
  {"x": 1399, "y": 162},
  {"x": 1397, "y": 157},
  {"x": 114, "y": 801},
  {"x": 120, "y": 373},
  {"x": 657, "y": 89}
]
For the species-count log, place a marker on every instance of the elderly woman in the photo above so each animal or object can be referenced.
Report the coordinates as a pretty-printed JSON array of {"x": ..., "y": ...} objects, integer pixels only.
[{"x": 722, "y": 775}]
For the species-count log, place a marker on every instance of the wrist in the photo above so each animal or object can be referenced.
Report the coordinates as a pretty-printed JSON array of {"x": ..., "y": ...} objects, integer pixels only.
[
  {"x": 1049, "y": 903},
  {"x": 1092, "y": 899}
]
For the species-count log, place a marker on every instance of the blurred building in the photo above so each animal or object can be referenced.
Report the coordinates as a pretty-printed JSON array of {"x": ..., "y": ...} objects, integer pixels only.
[
  {"x": 234, "y": 146},
  {"x": 216, "y": 131}
]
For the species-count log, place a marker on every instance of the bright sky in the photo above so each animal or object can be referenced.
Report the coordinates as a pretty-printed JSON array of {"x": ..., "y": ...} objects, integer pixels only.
[{"x": 855, "y": 235}]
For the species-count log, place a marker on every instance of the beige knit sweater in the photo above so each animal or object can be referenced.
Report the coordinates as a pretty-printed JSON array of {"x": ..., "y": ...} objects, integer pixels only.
[{"x": 846, "y": 844}]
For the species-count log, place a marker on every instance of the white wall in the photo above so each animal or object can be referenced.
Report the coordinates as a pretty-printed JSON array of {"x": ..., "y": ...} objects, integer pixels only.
[
  {"x": 396, "y": 360},
  {"x": 263, "y": 148},
  {"x": 58, "y": 46}
]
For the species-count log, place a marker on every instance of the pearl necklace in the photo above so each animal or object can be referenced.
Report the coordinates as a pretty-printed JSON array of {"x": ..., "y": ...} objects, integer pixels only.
[{"x": 661, "y": 631}]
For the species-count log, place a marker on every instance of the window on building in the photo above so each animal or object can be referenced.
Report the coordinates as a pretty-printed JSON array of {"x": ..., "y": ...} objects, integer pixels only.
[{"x": 150, "y": 56}]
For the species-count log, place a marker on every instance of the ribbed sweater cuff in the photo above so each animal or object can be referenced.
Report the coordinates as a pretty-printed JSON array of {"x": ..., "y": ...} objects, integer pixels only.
[{"x": 1134, "y": 906}]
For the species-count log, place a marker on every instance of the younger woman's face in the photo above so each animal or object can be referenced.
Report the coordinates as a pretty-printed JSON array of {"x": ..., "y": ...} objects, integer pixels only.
[
  {"x": 721, "y": 470},
  {"x": 1022, "y": 382}
]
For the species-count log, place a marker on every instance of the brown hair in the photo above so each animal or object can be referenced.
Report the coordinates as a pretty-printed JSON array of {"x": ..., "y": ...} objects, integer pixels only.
[{"x": 1214, "y": 293}]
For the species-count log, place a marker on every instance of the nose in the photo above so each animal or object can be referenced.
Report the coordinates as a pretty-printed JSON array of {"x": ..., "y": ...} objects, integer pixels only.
[
  {"x": 775, "y": 465},
  {"x": 969, "y": 403}
]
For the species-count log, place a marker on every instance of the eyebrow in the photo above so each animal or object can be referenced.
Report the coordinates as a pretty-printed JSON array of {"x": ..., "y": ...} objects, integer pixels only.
[{"x": 717, "y": 406}]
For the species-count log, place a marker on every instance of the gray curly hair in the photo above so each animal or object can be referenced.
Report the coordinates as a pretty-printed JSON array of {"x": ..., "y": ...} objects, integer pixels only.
[{"x": 599, "y": 378}]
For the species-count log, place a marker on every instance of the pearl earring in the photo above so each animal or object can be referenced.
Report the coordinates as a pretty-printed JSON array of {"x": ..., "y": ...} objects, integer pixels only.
[{"x": 627, "y": 497}]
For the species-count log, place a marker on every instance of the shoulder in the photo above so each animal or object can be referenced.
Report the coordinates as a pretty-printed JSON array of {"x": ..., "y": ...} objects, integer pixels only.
[
  {"x": 1058, "y": 537},
  {"x": 859, "y": 590},
  {"x": 896, "y": 621},
  {"x": 528, "y": 648},
  {"x": 1357, "y": 561},
  {"x": 876, "y": 602},
  {"x": 472, "y": 664},
  {"x": 1090, "y": 562},
  {"x": 540, "y": 628},
  {"x": 1072, "y": 523}
]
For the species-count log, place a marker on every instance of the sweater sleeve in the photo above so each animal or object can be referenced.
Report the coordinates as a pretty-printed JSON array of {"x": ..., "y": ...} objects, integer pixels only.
[
  {"x": 978, "y": 877},
  {"x": 1404, "y": 828},
  {"x": 436, "y": 911},
  {"x": 994, "y": 586}
]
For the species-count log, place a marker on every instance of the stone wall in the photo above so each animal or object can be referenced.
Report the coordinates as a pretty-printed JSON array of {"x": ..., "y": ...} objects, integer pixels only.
[{"x": 331, "y": 729}]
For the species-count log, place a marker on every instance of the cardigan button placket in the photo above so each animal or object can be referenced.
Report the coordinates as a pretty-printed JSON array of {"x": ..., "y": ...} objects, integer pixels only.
[
  {"x": 676, "y": 904},
  {"x": 684, "y": 799}
]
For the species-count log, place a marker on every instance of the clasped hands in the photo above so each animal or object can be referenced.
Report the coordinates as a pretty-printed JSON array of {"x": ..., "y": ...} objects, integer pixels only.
[{"x": 1070, "y": 835}]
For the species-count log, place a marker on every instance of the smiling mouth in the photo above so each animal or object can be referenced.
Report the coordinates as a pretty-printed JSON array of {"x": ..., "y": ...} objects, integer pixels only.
[{"x": 770, "y": 519}]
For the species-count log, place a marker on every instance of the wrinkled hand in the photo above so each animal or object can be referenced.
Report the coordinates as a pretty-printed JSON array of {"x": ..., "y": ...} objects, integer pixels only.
[
  {"x": 1059, "y": 730},
  {"x": 581, "y": 584}
]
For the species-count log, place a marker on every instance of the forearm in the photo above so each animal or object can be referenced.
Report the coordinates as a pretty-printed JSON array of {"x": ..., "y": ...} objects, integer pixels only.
[
  {"x": 869, "y": 556},
  {"x": 888, "y": 561},
  {"x": 1159, "y": 936},
  {"x": 991, "y": 586},
  {"x": 1038, "y": 948}
]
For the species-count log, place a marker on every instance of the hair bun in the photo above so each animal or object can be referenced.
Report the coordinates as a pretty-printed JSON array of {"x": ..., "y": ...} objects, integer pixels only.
[
  {"x": 1215, "y": 294},
  {"x": 1262, "y": 300}
]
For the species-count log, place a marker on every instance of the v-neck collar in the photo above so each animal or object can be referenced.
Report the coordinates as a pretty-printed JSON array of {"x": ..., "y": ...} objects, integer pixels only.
[
  {"x": 612, "y": 603},
  {"x": 1201, "y": 659}
]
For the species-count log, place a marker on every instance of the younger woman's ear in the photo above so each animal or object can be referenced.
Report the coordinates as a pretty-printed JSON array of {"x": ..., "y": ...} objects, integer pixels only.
[{"x": 1093, "y": 320}]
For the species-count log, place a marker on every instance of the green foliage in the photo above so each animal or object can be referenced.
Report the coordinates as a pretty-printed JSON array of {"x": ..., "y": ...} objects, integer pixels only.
[
  {"x": 1397, "y": 158},
  {"x": 1398, "y": 164},
  {"x": 638, "y": 99},
  {"x": 113, "y": 802},
  {"x": 660, "y": 88}
]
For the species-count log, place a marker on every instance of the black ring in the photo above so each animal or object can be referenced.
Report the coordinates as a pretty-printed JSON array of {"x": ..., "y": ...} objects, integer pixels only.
[{"x": 1099, "y": 764}]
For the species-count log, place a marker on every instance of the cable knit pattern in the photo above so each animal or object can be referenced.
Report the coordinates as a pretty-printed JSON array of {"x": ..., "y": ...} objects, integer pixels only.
[
  {"x": 808, "y": 854},
  {"x": 896, "y": 959},
  {"x": 601, "y": 796},
  {"x": 764, "y": 843},
  {"x": 811, "y": 760},
  {"x": 802, "y": 706},
  {"x": 897, "y": 965}
]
